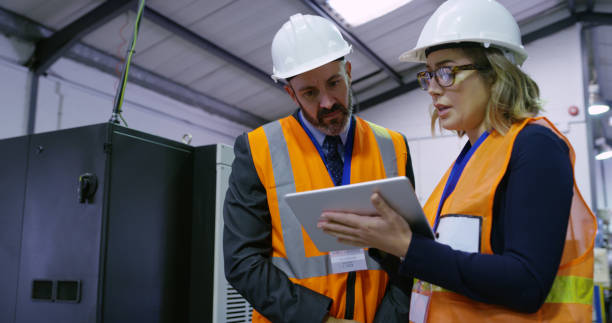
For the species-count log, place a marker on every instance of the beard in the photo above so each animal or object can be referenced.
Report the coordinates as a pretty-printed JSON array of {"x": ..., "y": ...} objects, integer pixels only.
[{"x": 332, "y": 127}]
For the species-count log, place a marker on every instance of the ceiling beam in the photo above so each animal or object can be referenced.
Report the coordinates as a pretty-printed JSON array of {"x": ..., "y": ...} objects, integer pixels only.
[
  {"x": 312, "y": 4},
  {"x": 160, "y": 84},
  {"x": 388, "y": 95},
  {"x": 209, "y": 46},
  {"x": 49, "y": 50},
  {"x": 571, "y": 4},
  {"x": 597, "y": 18},
  {"x": 590, "y": 5},
  {"x": 585, "y": 16},
  {"x": 549, "y": 29},
  {"x": 23, "y": 28}
]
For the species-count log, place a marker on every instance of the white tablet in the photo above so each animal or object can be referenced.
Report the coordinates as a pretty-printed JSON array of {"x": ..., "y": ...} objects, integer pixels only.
[{"x": 397, "y": 191}]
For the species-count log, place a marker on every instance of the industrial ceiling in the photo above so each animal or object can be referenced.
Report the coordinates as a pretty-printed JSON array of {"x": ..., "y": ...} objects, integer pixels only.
[{"x": 215, "y": 54}]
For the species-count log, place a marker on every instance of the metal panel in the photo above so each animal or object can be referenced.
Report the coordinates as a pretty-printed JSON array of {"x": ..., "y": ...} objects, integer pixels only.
[
  {"x": 149, "y": 223},
  {"x": 114, "y": 36},
  {"x": 188, "y": 11},
  {"x": 160, "y": 53},
  {"x": 244, "y": 26},
  {"x": 230, "y": 84},
  {"x": 61, "y": 237},
  {"x": 207, "y": 45},
  {"x": 52, "y": 13},
  {"x": 261, "y": 56},
  {"x": 194, "y": 64},
  {"x": 203, "y": 235},
  {"x": 212, "y": 298},
  {"x": 269, "y": 104},
  {"x": 13, "y": 167}
]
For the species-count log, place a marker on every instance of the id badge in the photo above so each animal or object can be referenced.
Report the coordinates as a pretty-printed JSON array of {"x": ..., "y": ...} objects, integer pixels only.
[
  {"x": 419, "y": 302},
  {"x": 347, "y": 260}
]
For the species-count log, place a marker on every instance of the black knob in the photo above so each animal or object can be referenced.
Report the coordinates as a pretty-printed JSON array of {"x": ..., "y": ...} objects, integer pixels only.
[{"x": 88, "y": 184}]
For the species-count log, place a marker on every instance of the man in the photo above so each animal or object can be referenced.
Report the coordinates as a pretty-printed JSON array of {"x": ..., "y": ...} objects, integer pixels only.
[{"x": 269, "y": 259}]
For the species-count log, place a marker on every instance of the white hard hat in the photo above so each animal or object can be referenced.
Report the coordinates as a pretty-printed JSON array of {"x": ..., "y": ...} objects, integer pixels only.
[
  {"x": 481, "y": 21},
  {"x": 305, "y": 42}
]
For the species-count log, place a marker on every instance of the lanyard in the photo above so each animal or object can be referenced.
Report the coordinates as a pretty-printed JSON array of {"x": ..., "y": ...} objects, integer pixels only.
[
  {"x": 348, "y": 149},
  {"x": 456, "y": 172}
]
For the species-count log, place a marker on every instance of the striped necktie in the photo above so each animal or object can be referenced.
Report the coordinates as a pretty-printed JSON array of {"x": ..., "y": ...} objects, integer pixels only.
[{"x": 333, "y": 161}]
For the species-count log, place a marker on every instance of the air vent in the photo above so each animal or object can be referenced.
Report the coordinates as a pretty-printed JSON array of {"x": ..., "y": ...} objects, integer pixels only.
[
  {"x": 237, "y": 309},
  {"x": 56, "y": 290},
  {"x": 68, "y": 291},
  {"x": 42, "y": 290}
]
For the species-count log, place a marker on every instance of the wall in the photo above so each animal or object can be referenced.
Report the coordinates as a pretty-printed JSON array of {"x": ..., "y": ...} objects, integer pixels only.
[
  {"x": 554, "y": 62},
  {"x": 603, "y": 170},
  {"x": 14, "y": 82},
  {"x": 74, "y": 95}
]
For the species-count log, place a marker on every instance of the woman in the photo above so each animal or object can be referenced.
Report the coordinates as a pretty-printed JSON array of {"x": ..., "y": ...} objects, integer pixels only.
[{"x": 514, "y": 236}]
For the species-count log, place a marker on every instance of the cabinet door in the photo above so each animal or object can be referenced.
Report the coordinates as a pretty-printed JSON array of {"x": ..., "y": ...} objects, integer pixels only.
[
  {"x": 60, "y": 248},
  {"x": 12, "y": 191}
]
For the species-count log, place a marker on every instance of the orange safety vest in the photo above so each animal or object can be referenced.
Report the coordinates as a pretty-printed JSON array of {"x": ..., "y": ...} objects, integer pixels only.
[
  {"x": 287, "y": 161},
  {"x": 571, "y": 295}
]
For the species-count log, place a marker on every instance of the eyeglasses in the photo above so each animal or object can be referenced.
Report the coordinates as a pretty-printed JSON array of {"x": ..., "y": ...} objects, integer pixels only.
[{"x": 445, "y": 75}]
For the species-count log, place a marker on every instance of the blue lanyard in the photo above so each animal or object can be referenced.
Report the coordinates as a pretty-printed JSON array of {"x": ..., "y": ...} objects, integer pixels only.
[
  {"x": 456, "y": 172},
  {"x": 348, "y": 149}
]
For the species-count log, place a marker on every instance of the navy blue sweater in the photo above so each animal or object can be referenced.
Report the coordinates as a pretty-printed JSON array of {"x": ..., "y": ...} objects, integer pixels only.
[{"x": 530, "y": 217}]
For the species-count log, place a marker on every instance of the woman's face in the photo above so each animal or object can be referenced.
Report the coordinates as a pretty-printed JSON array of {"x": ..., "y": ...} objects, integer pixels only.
[{"x": 462, "y": 105}]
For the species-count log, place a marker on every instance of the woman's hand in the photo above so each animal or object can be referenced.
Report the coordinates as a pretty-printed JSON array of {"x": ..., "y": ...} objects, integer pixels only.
[{"x": 386, "y": 231}]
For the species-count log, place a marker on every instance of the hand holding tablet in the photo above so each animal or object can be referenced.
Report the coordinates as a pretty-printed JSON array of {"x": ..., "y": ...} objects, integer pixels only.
[{"x": 355, "y": 198}]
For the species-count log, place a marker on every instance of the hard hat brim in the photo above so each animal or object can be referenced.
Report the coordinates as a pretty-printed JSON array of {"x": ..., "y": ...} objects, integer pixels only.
[
  {"x": 311, "y": 65},
  {"x": 417, "y": 54}
]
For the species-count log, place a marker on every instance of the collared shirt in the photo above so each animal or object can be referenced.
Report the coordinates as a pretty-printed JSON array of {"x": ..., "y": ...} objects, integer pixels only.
[{"x": 320, "y": 136}]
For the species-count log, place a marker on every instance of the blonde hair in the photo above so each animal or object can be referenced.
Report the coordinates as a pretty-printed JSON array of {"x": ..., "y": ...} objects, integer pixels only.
[{"x": 514, "y": 95}]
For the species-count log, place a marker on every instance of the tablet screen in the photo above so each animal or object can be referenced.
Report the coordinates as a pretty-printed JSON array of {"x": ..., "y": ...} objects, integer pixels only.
[{"x": 397, "y": 191}]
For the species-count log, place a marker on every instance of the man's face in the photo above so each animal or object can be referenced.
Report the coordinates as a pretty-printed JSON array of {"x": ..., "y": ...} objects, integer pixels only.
[{"x": 323, "y": 94}]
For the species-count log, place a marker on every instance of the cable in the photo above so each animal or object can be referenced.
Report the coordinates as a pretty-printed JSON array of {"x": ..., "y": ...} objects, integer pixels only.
[
  {"x": 118, "y": 102},
  {"x": 119, "y": 50}
]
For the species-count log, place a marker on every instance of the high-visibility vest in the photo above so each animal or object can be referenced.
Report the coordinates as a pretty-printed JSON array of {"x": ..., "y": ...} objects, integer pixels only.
[
  {"x": 287, "y": 161},
  {"x": 570, "y": 298}
]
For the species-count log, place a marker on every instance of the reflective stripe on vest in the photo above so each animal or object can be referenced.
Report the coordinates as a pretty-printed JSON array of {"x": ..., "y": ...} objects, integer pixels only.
[
  {"x": 387, "y": 150},
  {"x": 565, "y": 289},
  {"x": 297, "y": 265},
  {"x": 571, "y": 289}
]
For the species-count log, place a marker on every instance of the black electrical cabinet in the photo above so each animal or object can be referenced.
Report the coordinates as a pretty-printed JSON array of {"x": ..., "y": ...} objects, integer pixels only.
[{"x": 95, "y": 226}]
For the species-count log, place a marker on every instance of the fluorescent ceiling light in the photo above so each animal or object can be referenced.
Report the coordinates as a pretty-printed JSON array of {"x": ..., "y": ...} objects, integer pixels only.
[
  {"x": 357, "y": 12},
  {"x": 604, "y": 155},
  {"x": 605, "y": 151},
  {"x": 596, "y": 104},
  {"x": 596, "y": 109}
]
